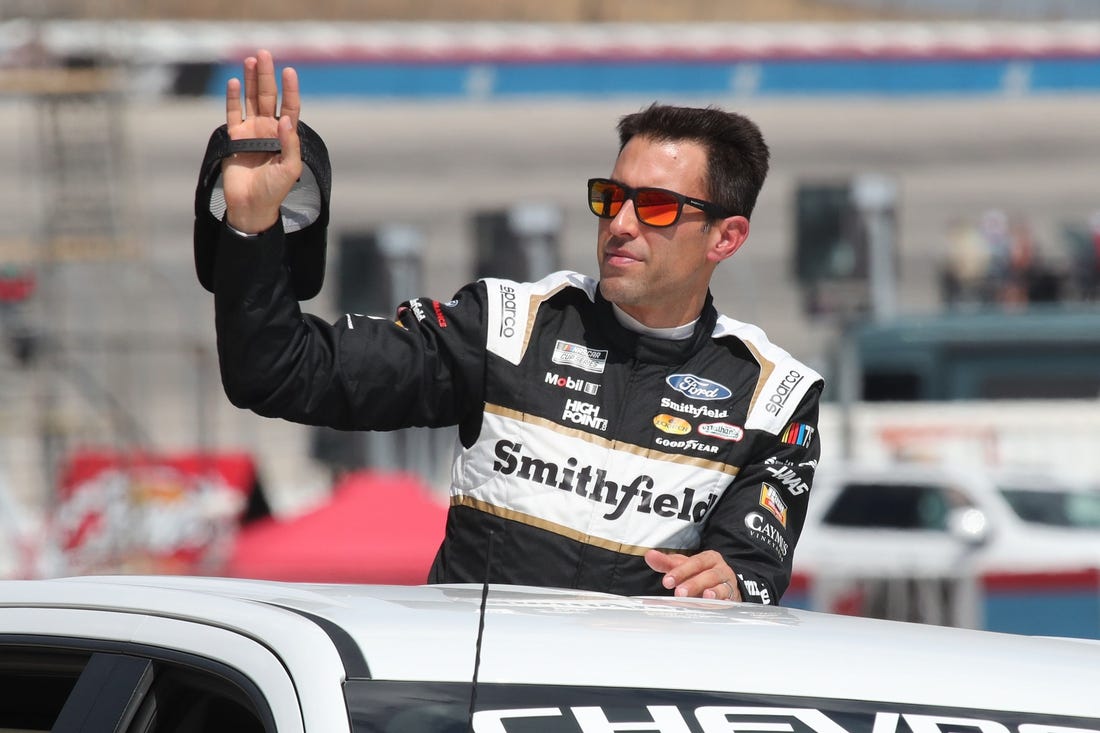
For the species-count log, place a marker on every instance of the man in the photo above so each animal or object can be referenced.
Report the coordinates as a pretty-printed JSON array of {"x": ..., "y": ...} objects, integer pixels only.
[{"x": 616, "y": 435}]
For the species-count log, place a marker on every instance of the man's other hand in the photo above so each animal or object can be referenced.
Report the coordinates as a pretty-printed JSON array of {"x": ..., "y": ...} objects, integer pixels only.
[{"x": 703, "y": 575}]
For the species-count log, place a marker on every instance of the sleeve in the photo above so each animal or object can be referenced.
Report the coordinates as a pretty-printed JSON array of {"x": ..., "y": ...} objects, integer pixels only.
[
  {"x": 426, "y": 368},
  {"x": 757, "y": 522}
]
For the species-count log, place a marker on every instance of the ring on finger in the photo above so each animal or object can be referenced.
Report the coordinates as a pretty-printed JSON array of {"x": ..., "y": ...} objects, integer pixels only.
[{"x": 733, "y": 593}]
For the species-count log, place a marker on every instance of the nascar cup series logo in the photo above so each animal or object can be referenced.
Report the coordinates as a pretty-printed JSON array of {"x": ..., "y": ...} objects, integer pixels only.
[
  {"x": 698, "y": 388},
  {"x": 582, "y": 357}
]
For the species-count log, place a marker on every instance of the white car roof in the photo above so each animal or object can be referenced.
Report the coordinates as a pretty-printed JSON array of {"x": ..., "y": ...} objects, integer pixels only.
[{"x": 561, "y": 637}]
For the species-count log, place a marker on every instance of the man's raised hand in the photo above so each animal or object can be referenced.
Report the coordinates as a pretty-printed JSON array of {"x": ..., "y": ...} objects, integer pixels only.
[{"x": 256, "y": 184}]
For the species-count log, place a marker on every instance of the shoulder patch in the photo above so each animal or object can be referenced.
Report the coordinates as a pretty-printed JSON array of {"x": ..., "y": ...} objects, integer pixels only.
[
  {"x": 783, "y": 381},
  {"x": 512, "y": 307}
]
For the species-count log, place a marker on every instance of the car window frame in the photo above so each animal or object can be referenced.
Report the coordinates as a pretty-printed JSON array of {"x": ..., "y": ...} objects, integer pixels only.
[{"x": 130, "y": 682}]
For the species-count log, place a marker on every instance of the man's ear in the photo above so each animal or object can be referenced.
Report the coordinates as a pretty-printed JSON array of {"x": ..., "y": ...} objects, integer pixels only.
[{"x": 731, "y": 233}]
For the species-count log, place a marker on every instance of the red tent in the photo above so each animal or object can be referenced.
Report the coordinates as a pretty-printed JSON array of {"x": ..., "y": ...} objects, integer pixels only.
[{"x": 376, "y": 528}]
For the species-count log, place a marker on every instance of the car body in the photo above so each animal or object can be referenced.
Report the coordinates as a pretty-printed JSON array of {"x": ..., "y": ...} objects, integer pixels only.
[
  {"x": 937, "y": 519},
  {"x": 159, "y": 654}
]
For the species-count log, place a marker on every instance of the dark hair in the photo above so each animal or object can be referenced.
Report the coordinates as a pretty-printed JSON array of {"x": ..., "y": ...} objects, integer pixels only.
[{"x": 737, "y": 156}]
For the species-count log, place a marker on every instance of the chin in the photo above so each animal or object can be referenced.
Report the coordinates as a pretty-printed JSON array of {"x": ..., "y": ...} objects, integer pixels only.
[{"x": 616, "y": 291}]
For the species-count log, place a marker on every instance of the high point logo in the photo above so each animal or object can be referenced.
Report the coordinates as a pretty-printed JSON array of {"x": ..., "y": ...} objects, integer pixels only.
[
  {"x": 592, "y": 483},
  {"x": 584, "y": 413},
  {"x": 698, "y": 388}
]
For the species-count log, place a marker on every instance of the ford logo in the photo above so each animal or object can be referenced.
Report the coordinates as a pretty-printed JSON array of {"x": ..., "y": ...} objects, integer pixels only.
[{"x": 698, "y": 388}]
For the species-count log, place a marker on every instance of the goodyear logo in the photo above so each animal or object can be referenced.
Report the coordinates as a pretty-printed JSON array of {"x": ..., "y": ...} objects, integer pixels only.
[{"x": 673, "y": 425}]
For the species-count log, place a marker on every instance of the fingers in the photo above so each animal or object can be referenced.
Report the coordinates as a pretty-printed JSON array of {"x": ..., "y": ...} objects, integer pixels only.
[
  {"x": 233, "y": 103},
  {"x": 290, "y": 144},
  {"x": 250, "y": 64},
  {"x": 267, "y": 91},
  {"x": 703, "y": 575},
  {"x": 291, "y": 98},
  {"x": 261, "y": 92},
  {"x": 662, "y": 562},
  {"x": 724, "y": 591}
]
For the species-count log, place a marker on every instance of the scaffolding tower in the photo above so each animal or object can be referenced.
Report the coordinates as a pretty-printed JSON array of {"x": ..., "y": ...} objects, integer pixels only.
[{"x": 51, "y": 396}]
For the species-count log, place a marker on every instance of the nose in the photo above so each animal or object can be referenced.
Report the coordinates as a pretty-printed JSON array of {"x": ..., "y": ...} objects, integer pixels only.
[{"x": 625, "y": 223}]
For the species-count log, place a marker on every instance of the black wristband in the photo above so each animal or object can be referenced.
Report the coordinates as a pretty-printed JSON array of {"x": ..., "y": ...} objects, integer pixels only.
[{"x": 255, "y": 145}]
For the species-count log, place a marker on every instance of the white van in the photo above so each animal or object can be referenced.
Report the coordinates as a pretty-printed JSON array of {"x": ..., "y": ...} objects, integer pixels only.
[
  {"x": 964, "y": 546},
  {"x": 920, "y": 519}
]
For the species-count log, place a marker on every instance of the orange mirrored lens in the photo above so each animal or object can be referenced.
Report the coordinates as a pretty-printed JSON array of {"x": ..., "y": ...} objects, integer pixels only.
[
  {"x": 656, "y": 208},
  {"x": 606, "y": 199}
]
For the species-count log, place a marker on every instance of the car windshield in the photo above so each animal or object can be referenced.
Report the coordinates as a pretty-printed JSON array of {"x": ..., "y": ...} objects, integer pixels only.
[{"x": 1055, "y": 508}]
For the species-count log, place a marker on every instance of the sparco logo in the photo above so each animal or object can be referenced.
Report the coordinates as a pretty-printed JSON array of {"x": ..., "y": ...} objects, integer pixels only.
[
  {"x": 508, "y": 311},
  {"x": 592, "y": 483},
  {"x": 698, "y": 388},
  {"x": 779, "y": 397},
  {"x": 577, "y": 385},
  {"x": 584, "y": 413},
  {"x": 761, "y": 528}
]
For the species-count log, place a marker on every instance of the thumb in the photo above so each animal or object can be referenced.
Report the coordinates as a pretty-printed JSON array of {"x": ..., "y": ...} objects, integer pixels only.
[{"x": 290, "y": 143}]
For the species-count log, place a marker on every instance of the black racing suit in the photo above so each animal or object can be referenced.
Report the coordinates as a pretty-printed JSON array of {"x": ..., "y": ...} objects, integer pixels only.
[{"x": 582, "y": 443}]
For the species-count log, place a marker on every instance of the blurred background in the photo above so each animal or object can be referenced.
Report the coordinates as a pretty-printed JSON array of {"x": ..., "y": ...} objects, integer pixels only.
[{"x": 929, "y": 238}]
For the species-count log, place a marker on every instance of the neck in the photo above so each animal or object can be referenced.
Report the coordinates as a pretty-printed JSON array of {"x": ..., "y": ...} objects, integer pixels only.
[{"x": 672, "y": 333}]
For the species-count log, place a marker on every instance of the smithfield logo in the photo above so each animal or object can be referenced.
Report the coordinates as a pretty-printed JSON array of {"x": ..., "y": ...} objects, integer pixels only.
[
  {"x": 722, "y": 431},
  {"x": 698, "y": 388},
  {"x": 618, "y": 492},
  {"x": 582, "y": 357},
  {"x": 673, "y": 425}
]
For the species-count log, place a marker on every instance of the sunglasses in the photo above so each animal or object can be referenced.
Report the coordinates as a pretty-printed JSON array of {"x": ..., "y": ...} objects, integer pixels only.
[{"x": 655, "y": 207}]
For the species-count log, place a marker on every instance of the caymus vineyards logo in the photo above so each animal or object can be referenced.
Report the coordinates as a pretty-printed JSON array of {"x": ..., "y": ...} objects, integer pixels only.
[{"x": 593, "y": 484}]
